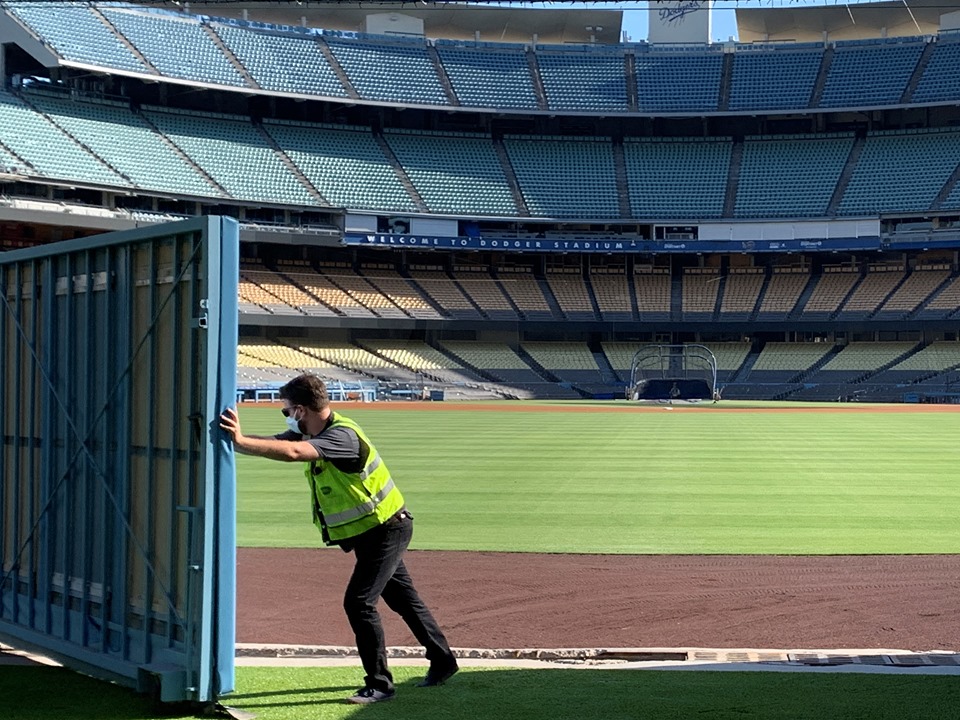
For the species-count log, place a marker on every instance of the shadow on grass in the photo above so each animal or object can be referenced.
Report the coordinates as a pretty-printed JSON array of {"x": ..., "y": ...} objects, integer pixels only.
[{"x": 319, "y": 694}]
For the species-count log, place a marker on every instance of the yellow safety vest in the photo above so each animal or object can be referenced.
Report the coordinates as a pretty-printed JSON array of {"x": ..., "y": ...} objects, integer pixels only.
[{"x": 351, "y": 503}]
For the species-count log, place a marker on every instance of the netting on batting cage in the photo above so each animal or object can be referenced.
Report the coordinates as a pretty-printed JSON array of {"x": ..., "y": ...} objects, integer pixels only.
[{"x": 673, "y": 372}]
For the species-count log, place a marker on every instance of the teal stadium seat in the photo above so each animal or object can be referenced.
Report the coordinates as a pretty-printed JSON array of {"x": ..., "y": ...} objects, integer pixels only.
[
  {"x": 454, "y": 173},
  {"x": 389, "y": 71},
  {"x": 493, "y": 77},
  {"x": 583, "y": 80},
  {"x": 544, "y": 165},
  {"x": 129, "y": 144},
  {"x": 870, "y": 72},
  {"x": 283, "y": 62},
  {"x": 790, "y": 176},
  {"x": 774, "y": 78},
  {"x": 668, "y": 177},
  {"x": 51, "y": 153},
  {"x": 76, "y": 34},
  {"x": 344, "y": 163},
  {"x": 227, "y": 147},
  {"x": 176, "y": 45}
]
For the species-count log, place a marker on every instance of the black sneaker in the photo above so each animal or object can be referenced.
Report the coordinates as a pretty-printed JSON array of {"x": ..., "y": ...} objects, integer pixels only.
[
  {"x": 367, "y": 695},
  {"x": 439, "y": 675}
]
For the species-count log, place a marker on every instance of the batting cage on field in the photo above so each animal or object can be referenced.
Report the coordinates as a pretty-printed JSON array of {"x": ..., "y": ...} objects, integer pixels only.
[
  {"x": 673, "y": 372},
  {"x": 117, "y": 508}
]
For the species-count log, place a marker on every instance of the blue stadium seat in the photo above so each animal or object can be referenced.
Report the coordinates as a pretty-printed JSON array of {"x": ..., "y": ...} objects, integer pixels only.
[
  {"x": 774, "y": 79},
  {"x": 687, "y": 81}
]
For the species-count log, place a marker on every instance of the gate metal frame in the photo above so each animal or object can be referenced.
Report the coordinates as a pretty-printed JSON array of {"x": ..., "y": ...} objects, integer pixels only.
[{"x": 118, "y": 494}]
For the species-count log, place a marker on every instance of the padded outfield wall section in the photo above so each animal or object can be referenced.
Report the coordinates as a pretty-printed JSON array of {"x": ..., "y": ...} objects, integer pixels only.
[{"x": 117, "y": 503}]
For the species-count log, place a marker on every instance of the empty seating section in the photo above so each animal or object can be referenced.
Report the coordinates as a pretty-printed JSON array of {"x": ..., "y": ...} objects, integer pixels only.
[
  {"x": 740, "y": 292},
  {"x": 454, "y": 173},
  {"x": 444, "y": 292},
  {"x": 786, "y": 286},
  {"x": 352, "y": 358},
  {"x": 544, "y": 166},
  {"x": 426, "y": 361},
  {"x": 177, "y": 46},
  {"x": 834, "y": 285},
  {"x": 254, "y": 299},
  {"x": 946, "y": 301},
  {"x": 653, "y": 293},
  {"x": 9, "y": 164},
  {"x": 780, "y": 361},
  {"x": 861, "y": 357},
  {"x": 282, "y": 62},
  {"x": 344, "y": 164},
  {"x": 700, "y": 288},
  {"x": 793, "y": 176},
  {"x": 571, "y": 294},
  {"x": 226, "y": 148},
  {"x": 774, "y": 79},
  {"x": 583, "y": 81},
  {"x": 293, "y": 298},
  {"x": 935, "y": 357},
  {"x": 570, "y": 361},
  {"x": 915, "y": 289},
  {"x": 364, "y": 292},
  {"x": 496, "y": 359},
  {"x": 679, "y": 82},
  {"x": 667, "y": 177},
  {"x": 952, "y": 202},
  {"x": 113, "y": 132},
  {"x": 400, "y": 291},
  {"x": 613, "y": 293},
  {"x": 729, "y": 357},
  {"x": 389, "y": 71},
  {"x": 322, "y": 286},
  {"x": 924, "y": 161},
  {"x": 870, "y": 73},
  {"x": 620, "y": 356},
  {"x": 522, "y": 288},
  {"x": 49, "y": 151},
  {"x": 492, "y": 77},
  {"x": 878, "y": 283},
  {"x": 941, "y": 76},
  {"x": 264, "y": 353},
  {"x": 76, "y": 34},
  {"x": 485, "y": 292}
]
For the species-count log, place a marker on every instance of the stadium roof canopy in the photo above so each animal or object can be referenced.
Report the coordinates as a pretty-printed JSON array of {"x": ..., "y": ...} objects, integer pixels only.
[
  {"x": 454, "y": 21},
  {"x": 842, "y": 21}
]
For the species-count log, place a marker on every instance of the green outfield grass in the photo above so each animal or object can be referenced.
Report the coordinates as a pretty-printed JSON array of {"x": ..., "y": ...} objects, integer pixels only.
[
  {"x": 317, "y": 694},
  {"x": 844, "y": 480}
]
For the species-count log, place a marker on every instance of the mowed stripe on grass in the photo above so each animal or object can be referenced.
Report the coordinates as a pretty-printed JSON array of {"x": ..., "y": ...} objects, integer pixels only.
[{"x": 686, "y": 480}]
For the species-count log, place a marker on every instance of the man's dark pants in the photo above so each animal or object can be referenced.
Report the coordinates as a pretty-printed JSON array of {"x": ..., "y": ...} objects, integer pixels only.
[{"x": 380, "y": 572}]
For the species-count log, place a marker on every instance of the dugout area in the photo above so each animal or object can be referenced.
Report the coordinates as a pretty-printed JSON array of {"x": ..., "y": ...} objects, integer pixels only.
[{"x": 117, "y": 506}]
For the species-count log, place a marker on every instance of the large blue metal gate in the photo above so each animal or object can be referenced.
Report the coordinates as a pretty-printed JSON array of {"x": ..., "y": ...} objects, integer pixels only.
[{"x": 117, "y": 509}]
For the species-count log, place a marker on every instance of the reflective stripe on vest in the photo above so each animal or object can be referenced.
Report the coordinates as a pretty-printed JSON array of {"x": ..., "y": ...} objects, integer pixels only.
[
  {"x": 374, "y": 464},
  {"x": 360, "y": 510}
]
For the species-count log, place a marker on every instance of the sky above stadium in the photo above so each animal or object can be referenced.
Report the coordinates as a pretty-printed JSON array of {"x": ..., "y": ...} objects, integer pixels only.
[{"x": 724, "y": 13}]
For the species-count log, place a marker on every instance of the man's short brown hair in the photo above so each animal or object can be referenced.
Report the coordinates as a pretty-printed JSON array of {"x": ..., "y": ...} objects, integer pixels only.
[{"x": 307, "y": 390}]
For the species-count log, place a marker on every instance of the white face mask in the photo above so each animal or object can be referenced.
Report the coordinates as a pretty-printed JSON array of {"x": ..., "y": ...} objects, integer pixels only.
[{"x": 293, "y": 423}]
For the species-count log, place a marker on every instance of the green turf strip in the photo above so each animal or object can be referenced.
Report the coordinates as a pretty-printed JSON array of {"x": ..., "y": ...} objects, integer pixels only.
[
  {"x": 686, "y": 480},
  {"x": 318, "y": 693}
]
